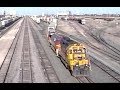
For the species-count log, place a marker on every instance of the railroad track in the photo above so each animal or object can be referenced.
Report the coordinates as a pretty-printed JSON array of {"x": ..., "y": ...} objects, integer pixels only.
[
  {"x": 84, "y": 79},
  {"x": 48, "y": 68},
  {"x": 113, "y": 56},
  {"x": 26, "y": 58},
  {"x": 25, "y": 63},
  {"x": 101, "y": 39},
  {"x": 8, "y": 28},
  {"x": 8, "y": 59},
  {"x": 106, "y": 69},
  {"x": 26, "y": 69},
  {"x": 108, "y": 45}
]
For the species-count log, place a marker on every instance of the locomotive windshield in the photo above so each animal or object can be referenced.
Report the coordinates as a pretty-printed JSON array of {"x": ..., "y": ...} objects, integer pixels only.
[{"x": 79, "y": 51}]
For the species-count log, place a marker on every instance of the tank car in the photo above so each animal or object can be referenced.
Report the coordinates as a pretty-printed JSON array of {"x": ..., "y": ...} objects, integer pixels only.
[{"x": 72, "y": 54}]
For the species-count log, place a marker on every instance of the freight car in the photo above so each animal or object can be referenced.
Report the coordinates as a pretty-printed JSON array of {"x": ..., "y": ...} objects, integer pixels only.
[
  {"x": 72, "y": 54},
  {"x": 51, "y": 30},
  {"x": 7, "y": 22},
  {"x": 4, "y": 22}
]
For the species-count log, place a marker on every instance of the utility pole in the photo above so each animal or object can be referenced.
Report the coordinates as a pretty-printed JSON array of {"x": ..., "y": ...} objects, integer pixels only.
[{"x": 4, "y": 13}]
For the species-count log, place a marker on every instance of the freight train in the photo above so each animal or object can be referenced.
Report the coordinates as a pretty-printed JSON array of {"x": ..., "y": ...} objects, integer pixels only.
[
  {"x": 71, "y": 53},
  {"x": 80, "y": 20},
  {"x": 7, "y": 22}
]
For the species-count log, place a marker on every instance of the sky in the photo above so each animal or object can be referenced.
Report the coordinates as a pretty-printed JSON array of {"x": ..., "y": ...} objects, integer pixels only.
[{"x": 55, "y": 10}]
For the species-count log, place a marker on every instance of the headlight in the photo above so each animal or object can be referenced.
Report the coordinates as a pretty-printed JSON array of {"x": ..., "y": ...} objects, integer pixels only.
[{"x": 76, "y": 65}]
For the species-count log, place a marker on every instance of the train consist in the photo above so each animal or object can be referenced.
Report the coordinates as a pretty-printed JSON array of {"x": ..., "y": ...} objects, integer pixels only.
[
  {"x": 80, "y": 20},
  {"x": 7, "y": 22},
  {"x": 47, "y": 19},
  {"x": 71, "y": 53}
]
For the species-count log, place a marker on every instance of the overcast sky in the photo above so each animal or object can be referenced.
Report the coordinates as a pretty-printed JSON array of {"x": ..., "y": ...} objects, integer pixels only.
[{"x": 54, "y": 10}]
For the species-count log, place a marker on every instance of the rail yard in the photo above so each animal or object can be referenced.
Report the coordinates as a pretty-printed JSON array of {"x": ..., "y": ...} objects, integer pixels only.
[{"x": 60, "y": 49}]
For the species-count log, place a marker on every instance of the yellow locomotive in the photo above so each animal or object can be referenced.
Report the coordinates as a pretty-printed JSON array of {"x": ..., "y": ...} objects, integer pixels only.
[
  {"x": 72, "y": 54},
  {"x": 77, "y": 60}
]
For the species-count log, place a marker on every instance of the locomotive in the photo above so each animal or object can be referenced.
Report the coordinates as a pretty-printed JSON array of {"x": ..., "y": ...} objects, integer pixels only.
[{"x": 72, "y": 54}]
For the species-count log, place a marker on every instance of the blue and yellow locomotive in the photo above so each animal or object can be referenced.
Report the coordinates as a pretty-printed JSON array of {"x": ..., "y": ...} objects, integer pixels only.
[{"x": 72, "y": 54}]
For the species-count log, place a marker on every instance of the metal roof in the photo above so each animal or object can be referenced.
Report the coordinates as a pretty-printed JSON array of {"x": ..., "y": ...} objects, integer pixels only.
[{"x": 52, "y": 24}]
